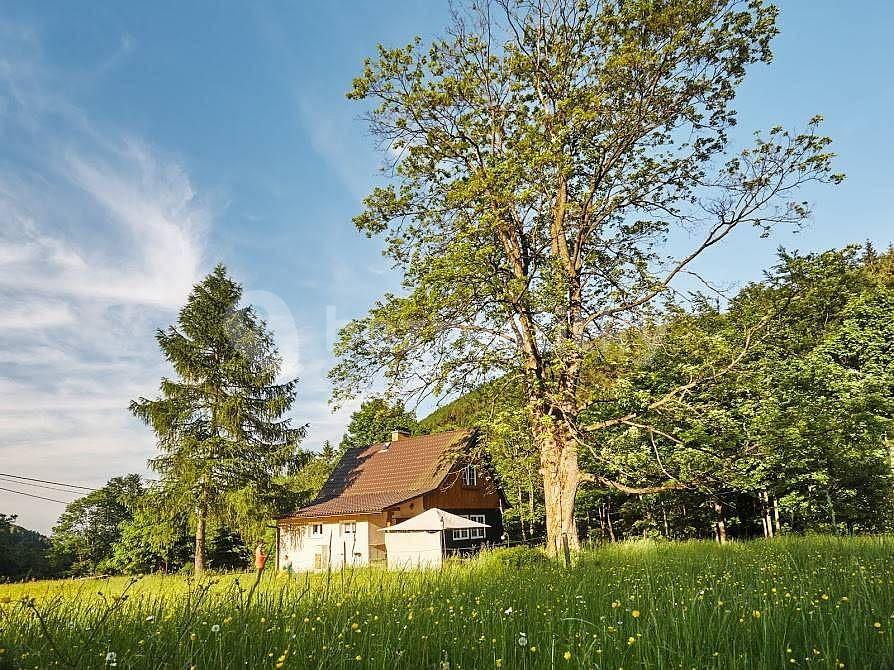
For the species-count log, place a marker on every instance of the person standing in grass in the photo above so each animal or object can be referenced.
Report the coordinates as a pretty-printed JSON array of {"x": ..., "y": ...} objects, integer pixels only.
[{"x": 260, "y": 557}]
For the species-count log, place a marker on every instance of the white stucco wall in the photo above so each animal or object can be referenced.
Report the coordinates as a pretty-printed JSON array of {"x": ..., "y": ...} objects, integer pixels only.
[
  {"x": 302, "y": 550},
  {"x": 420, "y": 549}
]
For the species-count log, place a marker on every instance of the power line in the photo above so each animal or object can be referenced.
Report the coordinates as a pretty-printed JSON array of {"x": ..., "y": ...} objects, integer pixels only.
[
  {"x": 40, "y": 486},
  {"x": 47, "y": 481},
  {"x": 31, "y": 495}
]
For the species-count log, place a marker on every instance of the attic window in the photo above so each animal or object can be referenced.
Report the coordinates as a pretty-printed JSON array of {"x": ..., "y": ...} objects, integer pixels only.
[{"x": 470, "y": 476}]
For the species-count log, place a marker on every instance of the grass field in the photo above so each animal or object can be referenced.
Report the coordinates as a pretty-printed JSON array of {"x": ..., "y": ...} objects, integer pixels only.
[{"x": 814, "y": 602}]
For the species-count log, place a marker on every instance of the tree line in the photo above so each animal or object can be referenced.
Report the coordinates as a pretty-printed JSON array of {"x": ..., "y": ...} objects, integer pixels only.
[{"x": 794, "y": 438}]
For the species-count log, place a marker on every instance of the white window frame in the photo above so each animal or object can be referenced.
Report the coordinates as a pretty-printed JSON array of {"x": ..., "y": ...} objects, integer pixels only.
[
  {"x": 316, "y": 530},
  {"x": 348, "y": 527},
  {"x": 477, "y": 533},
  {"x": 470, "y": 476},
  {"x": 470, "y": 533}
]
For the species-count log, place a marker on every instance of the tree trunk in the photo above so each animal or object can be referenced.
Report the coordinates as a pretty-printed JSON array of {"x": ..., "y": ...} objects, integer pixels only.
[
  {"x": 200, "y": 541},
  {"x": 720, "y": 523},
  {"x": 608, "y": 521},
  {"x": 775, "y": 516},
  {"x": 765, "y": 512},
  {"x": 533, "y": 510},
  {"x": 561, "y": 478}
]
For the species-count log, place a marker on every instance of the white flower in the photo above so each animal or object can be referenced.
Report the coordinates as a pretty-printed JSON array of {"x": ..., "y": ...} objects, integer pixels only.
[
  {"x": 522, "y": 640},
  {"x": 215, "y": 628},
  {"x": 507, "y": 611},
  {"x": 151, "y": 617},
  {"x": 111, "y": 658}
]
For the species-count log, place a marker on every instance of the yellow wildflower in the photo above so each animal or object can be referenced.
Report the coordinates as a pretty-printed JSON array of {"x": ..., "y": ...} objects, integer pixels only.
[{"x": 567, "y": 656}]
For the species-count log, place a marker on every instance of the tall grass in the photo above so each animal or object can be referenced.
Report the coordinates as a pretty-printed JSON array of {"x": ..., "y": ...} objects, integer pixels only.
[{"x": 809, "y": 602}]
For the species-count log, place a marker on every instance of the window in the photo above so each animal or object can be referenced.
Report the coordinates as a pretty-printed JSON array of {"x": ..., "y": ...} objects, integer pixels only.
[
  {"x": 470, "y": 533},
  {"x": 476, "y": 533},
  {"x": 316, "y": 530},
  {"x": 349, "y": 528},
  {"x": 470, "y": 476}
]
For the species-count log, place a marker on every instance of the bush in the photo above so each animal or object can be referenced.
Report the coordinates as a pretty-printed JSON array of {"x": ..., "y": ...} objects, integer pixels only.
[{"x": 516, "y": 558}]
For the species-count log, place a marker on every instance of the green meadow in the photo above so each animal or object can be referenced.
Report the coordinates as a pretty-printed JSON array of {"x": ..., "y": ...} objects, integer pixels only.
[{"x": 815, "y": 602}]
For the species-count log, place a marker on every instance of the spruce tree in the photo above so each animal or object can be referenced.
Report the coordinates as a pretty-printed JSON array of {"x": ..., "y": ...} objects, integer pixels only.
[{"x": 221, "y": 424}]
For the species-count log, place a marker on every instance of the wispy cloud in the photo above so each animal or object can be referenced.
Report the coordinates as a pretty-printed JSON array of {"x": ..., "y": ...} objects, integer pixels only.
[{"x": 102, "y": 236}]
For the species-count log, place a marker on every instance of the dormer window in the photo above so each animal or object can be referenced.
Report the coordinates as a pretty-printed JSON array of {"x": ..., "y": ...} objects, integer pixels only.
[{"x": 470, "y": 476}]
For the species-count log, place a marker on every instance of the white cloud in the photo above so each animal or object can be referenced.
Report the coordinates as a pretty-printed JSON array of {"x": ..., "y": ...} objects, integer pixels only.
[
  {"x": 36, "y": 315},
  {"x": 101, "y": 238}
]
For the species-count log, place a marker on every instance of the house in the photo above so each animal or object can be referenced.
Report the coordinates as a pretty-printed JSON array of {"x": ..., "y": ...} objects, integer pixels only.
[{"x": 374, "y": 487}]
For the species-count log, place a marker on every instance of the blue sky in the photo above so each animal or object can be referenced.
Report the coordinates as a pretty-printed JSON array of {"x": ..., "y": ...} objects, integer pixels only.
[{"x": 142, "y": 143}]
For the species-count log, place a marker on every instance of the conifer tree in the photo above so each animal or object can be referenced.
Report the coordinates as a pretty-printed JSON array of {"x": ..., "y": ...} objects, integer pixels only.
[{"x": 220, "y": 424}]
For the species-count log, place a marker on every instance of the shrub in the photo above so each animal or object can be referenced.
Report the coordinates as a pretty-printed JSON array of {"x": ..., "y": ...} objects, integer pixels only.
[{"x": 515, "y": 558}]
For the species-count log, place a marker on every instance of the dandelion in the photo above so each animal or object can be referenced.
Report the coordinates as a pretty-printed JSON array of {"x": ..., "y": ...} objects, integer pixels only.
[
  {"x": 215, "y": 628},
  {"x": 756, "y": 614},
  {"x": 192, "y": 636},
  {"x": 877, "y": 624},
  {"x": 630, "y": 641},
  {"x": 567, "y": 655},
  {"x": 522, "y": 640},
  {"x": 635, "y": 614},
  {"x": 358, "y": 657},
  {"x": 499, "y": 662}
]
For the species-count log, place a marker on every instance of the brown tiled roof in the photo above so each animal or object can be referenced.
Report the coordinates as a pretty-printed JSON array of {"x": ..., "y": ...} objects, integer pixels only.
[{"x": 371, "y": 479}]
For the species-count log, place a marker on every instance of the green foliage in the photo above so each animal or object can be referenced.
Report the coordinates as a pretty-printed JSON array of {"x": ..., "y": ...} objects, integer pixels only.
[
  {"x": 514, "y": 558},
  {"x": 220, "y": 423},
  {"x": 817, "y": 601},
  {"x": 24, "y": 553},
  {"x": 374, "y": 421},
  {"x": 157, "y": 538},
  {"x": 89, "y": 528},
  {"x": 804, "y": 416}
]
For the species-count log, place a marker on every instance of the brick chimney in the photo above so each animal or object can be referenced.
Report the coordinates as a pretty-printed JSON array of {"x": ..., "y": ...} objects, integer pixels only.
[{"x": 399, "y": 434}]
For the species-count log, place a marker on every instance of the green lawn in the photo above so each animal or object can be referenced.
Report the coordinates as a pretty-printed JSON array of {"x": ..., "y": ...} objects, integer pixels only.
[{"x": 815, "y": 602}]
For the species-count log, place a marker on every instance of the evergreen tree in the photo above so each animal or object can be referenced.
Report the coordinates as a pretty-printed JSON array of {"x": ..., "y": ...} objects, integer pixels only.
[{"x": 221, "y": 424}]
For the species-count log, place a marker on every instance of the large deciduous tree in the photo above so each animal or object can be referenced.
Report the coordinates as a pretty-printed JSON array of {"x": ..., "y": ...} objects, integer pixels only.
[
  {"x": 221, "y": 423},
  {"x": 374, "y": 421},
  {"x": 89, "y": 528},
  {"x": 557, "y": 166}
]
